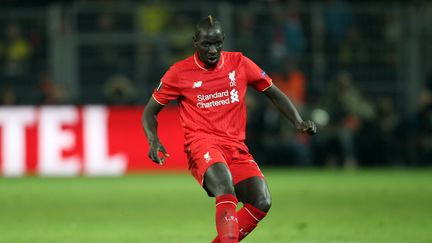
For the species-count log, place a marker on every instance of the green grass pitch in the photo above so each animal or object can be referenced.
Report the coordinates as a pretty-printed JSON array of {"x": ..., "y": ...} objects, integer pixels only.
[{"x": 308, "y": 206}]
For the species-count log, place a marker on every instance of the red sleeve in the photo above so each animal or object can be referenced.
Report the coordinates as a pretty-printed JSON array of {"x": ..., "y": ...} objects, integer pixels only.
[
  {"x": 256, "y": 77},
  {"x": 167, "y": 89}
]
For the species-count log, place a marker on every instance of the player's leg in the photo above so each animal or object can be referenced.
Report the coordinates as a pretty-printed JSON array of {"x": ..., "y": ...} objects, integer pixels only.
[
  {"x": 256, "y": 198},
  {"x": 219, "y": 183},
  {"x": 207, "y": 163},
  {"x": 251, "y": 189},
  {"x": 254, "y": 191},
  {"x": 218, "y": 180}
]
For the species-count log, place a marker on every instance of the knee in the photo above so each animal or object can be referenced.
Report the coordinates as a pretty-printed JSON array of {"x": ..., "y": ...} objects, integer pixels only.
[
  {"x": 224, "y": 186},
  {"x": 264, "y": 203},
  {"x": 219, "y": 185},
  {"x": 218, "y": 180}
]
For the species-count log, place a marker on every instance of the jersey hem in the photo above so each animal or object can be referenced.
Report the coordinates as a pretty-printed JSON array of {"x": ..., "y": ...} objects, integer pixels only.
[
  {"x": 157, "y": 100},
  {"x": 271, "y": 84}
]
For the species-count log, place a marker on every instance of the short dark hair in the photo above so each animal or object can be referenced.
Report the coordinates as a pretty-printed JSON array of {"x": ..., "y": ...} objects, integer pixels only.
[{"x": 207, "y": 23}]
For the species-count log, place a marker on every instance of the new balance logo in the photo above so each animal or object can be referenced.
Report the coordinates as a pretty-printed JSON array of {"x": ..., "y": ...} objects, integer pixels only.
[
  {"x": 207, "y": 157},
  {"x": 234, "y": 96},
  {"x": 197, "y": 84}
]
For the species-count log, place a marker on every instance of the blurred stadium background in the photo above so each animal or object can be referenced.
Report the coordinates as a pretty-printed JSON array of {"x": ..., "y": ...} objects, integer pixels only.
[
  {"x": 72, "y": 70},
  {"x": 364, "y": 63}
]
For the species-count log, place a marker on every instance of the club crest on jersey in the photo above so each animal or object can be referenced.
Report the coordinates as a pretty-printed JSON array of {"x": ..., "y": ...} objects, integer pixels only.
[
  {"x": 197, "y": 84},
  {"x": 207, "y": 157},
  {"x": 232, "y": 78}
]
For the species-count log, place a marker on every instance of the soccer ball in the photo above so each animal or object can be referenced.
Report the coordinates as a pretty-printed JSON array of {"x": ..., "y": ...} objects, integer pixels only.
[{"x": 320, "y": 117}]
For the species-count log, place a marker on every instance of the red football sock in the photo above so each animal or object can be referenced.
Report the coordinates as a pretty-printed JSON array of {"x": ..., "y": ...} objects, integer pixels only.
[
  {"x": 248, "y": 218},
  {"x": 226, "y": 218}
]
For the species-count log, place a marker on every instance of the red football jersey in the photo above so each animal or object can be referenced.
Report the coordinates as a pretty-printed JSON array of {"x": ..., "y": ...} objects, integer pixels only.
[{"x": 211, "y": 101}]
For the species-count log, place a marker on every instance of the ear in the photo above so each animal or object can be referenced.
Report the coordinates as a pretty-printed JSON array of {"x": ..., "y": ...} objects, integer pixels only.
[{"x": 194, "y": 40}]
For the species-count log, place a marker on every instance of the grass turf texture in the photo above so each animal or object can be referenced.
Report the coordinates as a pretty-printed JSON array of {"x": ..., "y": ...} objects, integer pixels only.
[{"x": 308, "y": 206}]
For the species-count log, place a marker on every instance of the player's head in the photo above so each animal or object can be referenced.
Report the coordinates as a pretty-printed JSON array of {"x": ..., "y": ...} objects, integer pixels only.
[{"x": 208, "y": 40}]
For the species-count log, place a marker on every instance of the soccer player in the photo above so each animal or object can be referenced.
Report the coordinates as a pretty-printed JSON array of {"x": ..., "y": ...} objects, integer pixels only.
[{"x": 210, "y": 87}]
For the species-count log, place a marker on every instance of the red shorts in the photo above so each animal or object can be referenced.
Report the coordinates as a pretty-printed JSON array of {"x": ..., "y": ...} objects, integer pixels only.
[{"x": 202, "y": 154}]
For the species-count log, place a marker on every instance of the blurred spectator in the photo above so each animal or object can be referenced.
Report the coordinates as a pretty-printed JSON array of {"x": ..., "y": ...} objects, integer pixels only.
[
  {"x": 392, "y": 34},
  {"x": 352, "y": 50},
  {"x": 423, "y": 128},
  {"x": 8, "y": 95},
  {"x": 292, "y": 81},
  {"x": 282, "y": 144},
  {"x": 119, "y": 90},
  {"x": 153, "y": 53},
  {"x": 288, "y": 35},
  {"x": 387, "y": 120},
  {"x": 108, "y": 58},
  {"x": 256, "y": 127},
  {"x": 152, "y": 18},
  {"x": 105, "y": 54},
  {"x": 338, "y": 19},
  {"x": 180, "y": 37},
  {"x": 17, "y": 53},
  {"x": 273, "y": 138},
  {"x": 295, "y": 40},
  {"x": 415, "y": 131},
  {"x": 50, "y": 92},
  {"x": 377, "y": 142},
  {"x": 347, "y": 110},
  {"x": 245, "y": 37},
  {"x": 106, "y": 22}
]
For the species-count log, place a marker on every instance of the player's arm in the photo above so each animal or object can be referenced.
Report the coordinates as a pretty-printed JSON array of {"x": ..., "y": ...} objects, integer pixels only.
[
  {"x": 287, "y": 108},
  {"x": 149, "y": 122}
]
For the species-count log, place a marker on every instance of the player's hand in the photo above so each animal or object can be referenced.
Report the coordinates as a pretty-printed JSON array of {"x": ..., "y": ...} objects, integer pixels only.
[
  {"x": 155, "y": 148},
  {"x": 308, "y": 127}
]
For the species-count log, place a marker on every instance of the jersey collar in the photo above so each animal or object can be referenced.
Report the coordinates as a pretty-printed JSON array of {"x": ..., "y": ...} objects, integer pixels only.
[{"x": 201, "y": 65}]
